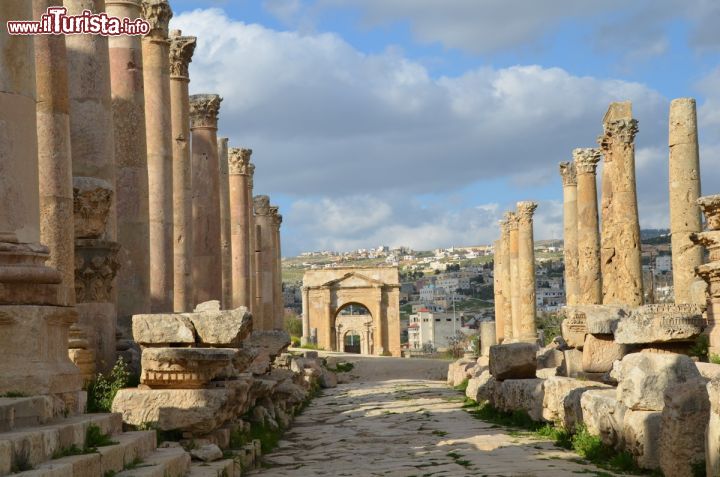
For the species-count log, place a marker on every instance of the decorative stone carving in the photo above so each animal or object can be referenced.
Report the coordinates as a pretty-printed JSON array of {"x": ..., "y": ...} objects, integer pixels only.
[
  {"x": 92, "y": 199},
  {"x": 661, "y": 323},
  {"x": 239, "y": 161},
  {"x": 586, "y": 160},
  {"x": 182, "y": 49},
  {"x": 710, "y": 205},
  {"x": 567, "y": 171},
  {"x": 525, "y": 211},
  {"x": 574, "y": 327},
  {"x": 185, "y": 368},
  {"x": 261, "y": 204},
  {"x": 589, "y": 281},
  {"x": 251, "y": 174},
  {"x": 204, "y": 110},
  {"x": 96, "y": 265},
  {"x": 623, "y": 129},
  {"x": 158, "y": 14}
]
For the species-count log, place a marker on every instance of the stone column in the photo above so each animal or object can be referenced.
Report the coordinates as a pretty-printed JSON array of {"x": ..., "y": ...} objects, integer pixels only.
[
  {"x": 620, "y": 248},
  {"x": 526, "y": 271},
  {"x": 570, "y": 231},
  {"x": 263, "y": 218},
  {"x": 278, "y": 305},
  {"x": 207, "y": 261},
  {"x": 225, "y": 234},
  {"x": 254, "y": 293},
  {"x": 684, "y": 191},
  {"x": 54, "y": 159},
  {"x": 94, "y": 185},
  {"x": 181, "y": 51},
  {"x": 515, "y": 291},
  {"x": 128, "y": 108},
  {"x": 498, "y": 290},
  {"x": 305, "y": 339},
  {"x": 487, "y": 337},
  {"x": 156, "y": 63},
  {"x": 710, "y": 272},
  {"x": 33, "y": 327},
  {"x": 505, "y": 278},
  {"x": 588, "y": 234},
  {"x": 239, "y": 162}
]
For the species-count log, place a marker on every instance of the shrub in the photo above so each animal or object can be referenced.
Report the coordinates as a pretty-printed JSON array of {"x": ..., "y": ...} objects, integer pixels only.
[
  {"x": 293, "y": 325},
  {"x": 700, "y": 347},
  {"x": 102, "y": 390}
]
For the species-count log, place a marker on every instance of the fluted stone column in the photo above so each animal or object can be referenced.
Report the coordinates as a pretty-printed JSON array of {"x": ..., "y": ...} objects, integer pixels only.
[
  {"x": 181, "y": 52},
  {"x": 263, "y": 219},
  {"x": 505, "y": 277},
  {"x": 92, "y": 142},
  {"x": 54, "y": 159},
  {"x": 515, "y": 289},
  {"x": 588, "y": 233},
  {"x": 33, "y": 328},
  {"x": 128, "y": 107},
  {"x": 254, "y": 276},
  {"x": 207, "y": 261},
  {"x": 156, "y": 62},
  {"x": 526, "y": 271},
  {"x": 570, "y": 231},
  {"x": 620, "y": 245},
  {"x": 240, "y": 210},
  {"x": 279, "y": 305},
  {"x": 225, "y": 238},
  {"x": 684, "y": 192},
  {"x": 499, "y": 298}
]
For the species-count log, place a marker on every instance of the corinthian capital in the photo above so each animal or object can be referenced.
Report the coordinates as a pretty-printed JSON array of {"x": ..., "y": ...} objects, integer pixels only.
[
  {"x": 586, "y": 159},
  {"x": 181, "y": 52},
  {"x": 239, "y": 161},
  {"x": 158, "y": 14},
  {"x": 622, "y": 129},
  {"x": 710, "y": 205},
  {"x": 261, "y": 203},
  {"x": 567, "y": 171},
  {"x": 511, "y": 221},
  {"x": 204, "y": 110},
  {"x": 251, "y": 174},
  {"x": 275, "y": 216},
  {"x": 525, "y": 211}
]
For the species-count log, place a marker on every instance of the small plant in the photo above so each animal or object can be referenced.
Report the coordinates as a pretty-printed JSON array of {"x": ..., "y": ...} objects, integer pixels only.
[
  {"x": 102, "y": 390},
  {"x": 715, "y": 358},
  {"x": 701, "y": 347},
  {"x": 310, "y": 346},
  {"x": 134, "y": 464},
  {"x": 13, "y": 394},
  {"x": 94, "y": 438},
  {"x": 68, "y": 451},
  {"x": 21, "y": 461},
  {"x": 462, "y": 386},
  {"x": 342, "y": 367},
  {"x": 440, "y": 433}
]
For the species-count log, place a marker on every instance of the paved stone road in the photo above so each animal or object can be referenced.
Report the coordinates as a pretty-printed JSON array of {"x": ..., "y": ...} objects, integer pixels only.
[{"x": 403, "y": 427}]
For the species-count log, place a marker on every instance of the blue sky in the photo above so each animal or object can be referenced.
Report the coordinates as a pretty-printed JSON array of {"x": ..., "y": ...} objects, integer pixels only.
[{"x": 419, "y": 122}]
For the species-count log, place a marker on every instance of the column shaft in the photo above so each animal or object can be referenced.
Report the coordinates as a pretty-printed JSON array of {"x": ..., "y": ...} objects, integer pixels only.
[
  {"x": 156, "y": 63},
  {"x": 225, "y": 234},
  {"x": 251, "y": 236},
  {"x": 526, "y": 271},
  {"x": 239, "y": 162},
  {"x": 128, "y": 107},
  {"x": 181, "y": 51},
  {"x": 515, "y": 289},
  {"x": 207, "y": 261},
  {"x": 505, "y": 278},
  {"x": 684, "y": 192},
  {"x": 588, "y": 234},
  {"x": 498, "y": 291},
  {"x": 620, "y": 252},
  {"x": 306, "y": 317},
  {"x": 278, "y": 307},
  {"x": 263, "y": 217},
  {"x": 570, "y": 231}
]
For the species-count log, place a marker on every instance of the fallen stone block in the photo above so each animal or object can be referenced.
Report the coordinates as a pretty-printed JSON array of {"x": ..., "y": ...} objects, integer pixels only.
[
  {"x": 572, "y": 363},
  {"x": 186, "y": 368},
  {"x": 457, "y": 371},
  {"x": 602, "y": 319},
  {"x": 224, "y": 329},
  {"x": 641, "y": 431},
  {"x": 549, "y": 357},
  {"x": 272, "y": 342},
  {"x": 643, "y": 378},
  {"x": 481, "y": 388},
  {"x": 709, "y": 371},
  {"x": 603, "y": 415},
  {"x": 712, "y": 436},
  {"x": 522, "y": 395},
  {"x": 682, "y": 430},
  {"x": 600, "y": 352},
  {"x": 513, "y": 361},
  {"x": 661, "y": 323},
  {"x": 207, "y": 453},
  {"x": 163, "y": 329},
  {"x": 561, "y": 400}
]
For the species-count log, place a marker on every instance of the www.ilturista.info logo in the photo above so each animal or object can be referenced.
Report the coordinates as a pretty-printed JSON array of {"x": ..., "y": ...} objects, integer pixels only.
[{"x": 56, "y": 21}]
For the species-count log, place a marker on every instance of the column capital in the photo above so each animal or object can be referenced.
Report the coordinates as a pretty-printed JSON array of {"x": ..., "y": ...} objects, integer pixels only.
[
  {"x": 158, "y": 14},
  {"x": 525, "y": 211},
  {"x": 511, "y": 221},
  {"x": 181, "y": 53},
  {"x": 586, "y": 159},
  {"x": 622, "y": 129},
  {"x": 710, "y": 205},
  {"x": 261, "y": 204},
  {"x": 204, "y": 110},
  {"x": 251, "y": 175},
  {"x": 239, "y": 161},
  {"x": 567, "y": 171},
  {"x": 276, "y": 217}
]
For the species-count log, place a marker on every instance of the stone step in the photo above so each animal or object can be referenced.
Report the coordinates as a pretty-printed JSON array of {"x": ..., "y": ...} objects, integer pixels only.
[
  {"x": 170, "y": 462},
  {"x": 24, "y": 412},
  {"x": 85, "y": 465},
  {"x": 37, "y": 444},
  {"x": 220, "y": 468}
]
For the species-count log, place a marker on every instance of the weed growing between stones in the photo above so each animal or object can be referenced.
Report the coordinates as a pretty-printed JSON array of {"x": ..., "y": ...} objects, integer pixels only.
[
  {"x": 102, "y": 390},
  {"x": 462, "y": 386},
  {"x": 13, "y": 394},
  {"x": 21, "y": 461}
]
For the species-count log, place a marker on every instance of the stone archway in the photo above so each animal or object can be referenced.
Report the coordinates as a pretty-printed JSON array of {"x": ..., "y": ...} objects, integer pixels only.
[
  {"x": 354, "y": 330},
  {"x": 327, "y": 292}
]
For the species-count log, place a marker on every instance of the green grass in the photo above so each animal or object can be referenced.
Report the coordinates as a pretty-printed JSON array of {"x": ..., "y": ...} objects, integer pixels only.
[
  {"x": 462, "y": 386},
  {"x": 68, "y": 451},
  {"x": 94, "y": 438},
  {"x": 13, "y": 394}
]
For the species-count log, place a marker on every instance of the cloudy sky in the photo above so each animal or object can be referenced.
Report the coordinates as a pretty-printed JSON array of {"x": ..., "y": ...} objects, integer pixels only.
[{"x": 419, "y": 122}]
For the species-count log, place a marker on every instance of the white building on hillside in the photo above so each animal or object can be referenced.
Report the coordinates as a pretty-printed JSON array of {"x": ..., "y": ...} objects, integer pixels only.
[{"x": 434, "y": 329}]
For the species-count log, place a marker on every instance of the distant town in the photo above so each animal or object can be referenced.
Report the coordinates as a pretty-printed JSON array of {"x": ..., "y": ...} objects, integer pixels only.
[{"x": 449, "y": 290}]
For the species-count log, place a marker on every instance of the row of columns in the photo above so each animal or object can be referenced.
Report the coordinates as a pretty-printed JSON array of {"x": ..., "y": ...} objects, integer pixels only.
[
  {"x": 603, "y": 260},
  {"x": 132, "y": 193},
  {"x": 514, "y": 272}
]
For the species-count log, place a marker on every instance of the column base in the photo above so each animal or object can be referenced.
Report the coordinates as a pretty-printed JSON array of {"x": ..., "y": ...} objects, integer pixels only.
[
  {"x": 34, "y": 341},
  {"x": 24, "y": 278}
]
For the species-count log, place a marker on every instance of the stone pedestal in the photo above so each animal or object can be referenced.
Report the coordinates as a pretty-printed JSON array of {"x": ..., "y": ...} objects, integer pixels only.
[
  {"x": 526, "y": 272},
  {"x": 512, "y": 222},
  {"x": 240, "y": 210},
  {"x": 570, "y": 232},
  {"x": 684, "y": 192},
  {"x": 181, "y": 51},
  {"x": 156, "y": 63},
  {"x": 225, "y": 239},
  {"x": 207, "y": 260},
  {"x": 499, "y": 298},
  {"x": 128, "y": 107},
  {"x": 620, "y": 252},
  {"x": 487, "y": 337},
  {"x": 588, "y": 233}
]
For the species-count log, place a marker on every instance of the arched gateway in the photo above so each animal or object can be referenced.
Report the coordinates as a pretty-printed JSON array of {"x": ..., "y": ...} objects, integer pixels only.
[{"x": 353, "y": 309}]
